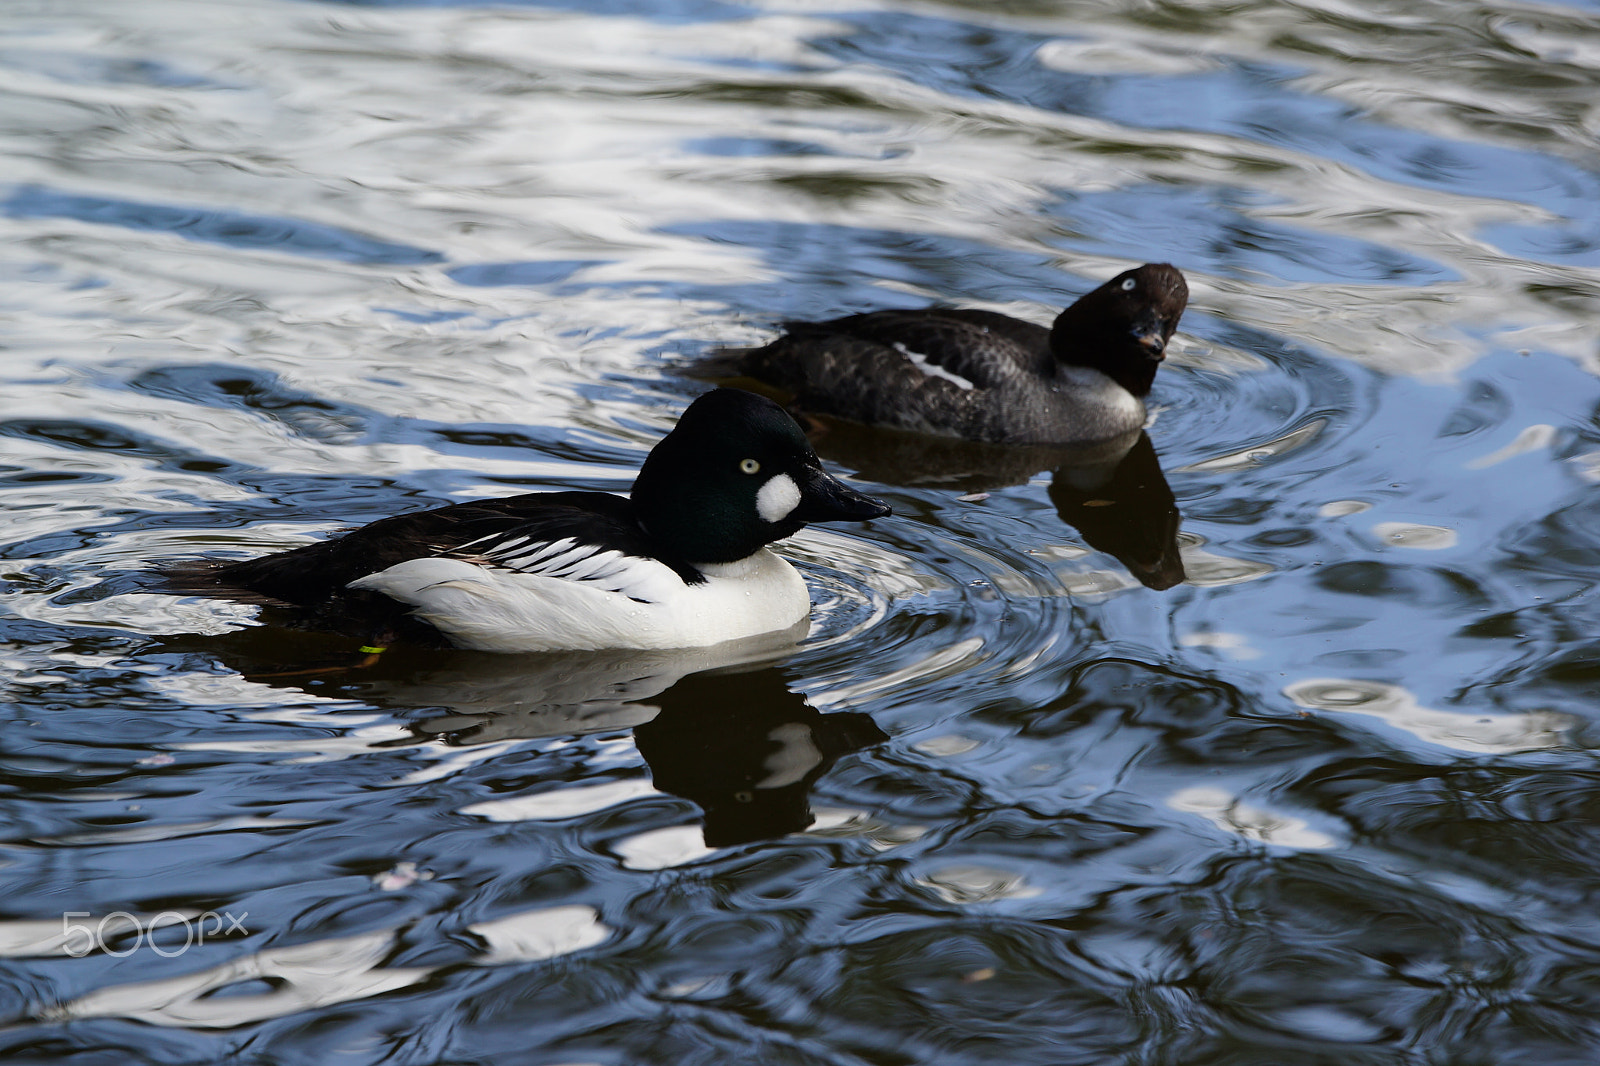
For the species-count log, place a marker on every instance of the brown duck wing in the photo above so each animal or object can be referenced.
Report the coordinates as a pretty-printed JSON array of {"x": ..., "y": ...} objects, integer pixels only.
[{"x": 982, "y": 348}]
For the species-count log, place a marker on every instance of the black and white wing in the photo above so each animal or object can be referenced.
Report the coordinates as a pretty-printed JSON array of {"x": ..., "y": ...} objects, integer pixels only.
[
  {"x": 514, "y": 533},
  {"x": 640, "y": 578}
]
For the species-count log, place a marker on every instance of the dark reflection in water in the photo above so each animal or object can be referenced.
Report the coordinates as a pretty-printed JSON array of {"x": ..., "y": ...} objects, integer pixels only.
[
  {"x": 1113, "y": 493},
  {"x": 746, "y": 748},
  {"x": 718, "y": 726},
  {"x": 1127, "y": 511}
]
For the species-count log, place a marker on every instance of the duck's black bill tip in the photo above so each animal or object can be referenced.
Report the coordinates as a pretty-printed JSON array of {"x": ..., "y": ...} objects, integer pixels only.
[
  {"x": 827, "y": 499},
  {"x": 857, "y": 508},
  {"x": 873, "y": 508}
]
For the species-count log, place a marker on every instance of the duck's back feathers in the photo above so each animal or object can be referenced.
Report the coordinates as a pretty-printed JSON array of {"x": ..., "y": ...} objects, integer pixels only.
[
  {"x": 932, "y": 371},
  {"x": 515, "y": 533},
  {"x": 983, "y": 349}
]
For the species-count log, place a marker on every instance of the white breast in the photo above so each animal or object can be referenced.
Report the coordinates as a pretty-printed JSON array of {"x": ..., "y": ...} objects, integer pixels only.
[
  {"x": 1091, "y": 388},
  {"x": 491, "y": 609}
]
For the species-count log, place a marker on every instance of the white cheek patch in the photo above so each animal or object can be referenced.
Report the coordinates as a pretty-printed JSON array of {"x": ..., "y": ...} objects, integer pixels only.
[{"x": 779, "y": 496}]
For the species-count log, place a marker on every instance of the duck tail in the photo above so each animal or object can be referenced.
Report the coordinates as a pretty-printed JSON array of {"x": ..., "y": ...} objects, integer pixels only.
[
  {"x": 219, "y": 578},
  {"x": 722, "y": 364}
]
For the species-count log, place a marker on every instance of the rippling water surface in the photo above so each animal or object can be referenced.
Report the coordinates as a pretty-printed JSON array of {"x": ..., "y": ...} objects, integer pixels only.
[{"x": 1274, "y": 743}]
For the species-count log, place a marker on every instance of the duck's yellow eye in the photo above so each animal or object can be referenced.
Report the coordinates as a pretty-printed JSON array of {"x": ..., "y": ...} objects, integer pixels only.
[{"x": 749, "y": 466}]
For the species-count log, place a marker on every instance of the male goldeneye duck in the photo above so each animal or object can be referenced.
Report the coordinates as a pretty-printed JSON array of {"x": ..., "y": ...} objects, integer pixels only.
[
  {"x": 980, "y": 375},
  {"x": 683, "y": 563}
]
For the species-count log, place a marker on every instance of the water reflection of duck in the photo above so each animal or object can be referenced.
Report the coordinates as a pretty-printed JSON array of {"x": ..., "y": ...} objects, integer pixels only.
[
  {"x": 1125, "y": 509},
  {"x": 733, "y": 739},
  {"x": 980, "y": 375},
  {"x": 1112, "y": 492},
  {"x": 682, "y": 563},
  {"x": 746, "y": 749},
  {"x": 718, "y": 726}
]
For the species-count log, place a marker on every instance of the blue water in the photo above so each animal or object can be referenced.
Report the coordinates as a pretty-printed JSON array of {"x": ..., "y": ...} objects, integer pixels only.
[{"x": 1272, "y": 742}]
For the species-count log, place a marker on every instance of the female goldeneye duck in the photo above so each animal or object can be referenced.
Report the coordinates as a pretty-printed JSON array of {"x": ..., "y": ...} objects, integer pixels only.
[
  {"x": 683, "y": 563},
  {"x": 980, "y": 375}
]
